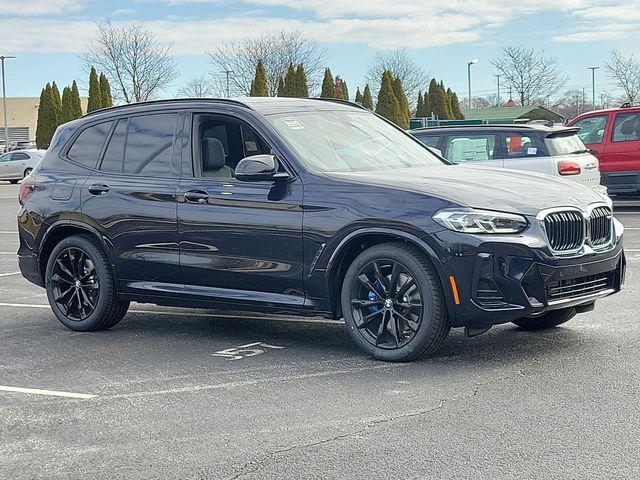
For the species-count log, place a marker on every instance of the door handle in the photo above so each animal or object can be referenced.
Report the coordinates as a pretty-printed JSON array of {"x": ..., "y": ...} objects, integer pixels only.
[
  {"x": 98, "y": 189},
  {"x": 196, "y": 196}
]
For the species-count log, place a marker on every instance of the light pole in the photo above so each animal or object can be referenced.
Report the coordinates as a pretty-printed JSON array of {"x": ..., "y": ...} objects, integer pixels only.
[
  {"x": 4, "y": 105},
  {"x": 227, "y": 73},
  {"x": 593, "y": 84},
  {"x": 472, "y": 62},
  {"x": 498, "y": 101}
]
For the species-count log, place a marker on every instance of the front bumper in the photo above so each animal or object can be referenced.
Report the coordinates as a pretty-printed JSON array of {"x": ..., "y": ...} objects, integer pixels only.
[{"x": 499, "y": 282}]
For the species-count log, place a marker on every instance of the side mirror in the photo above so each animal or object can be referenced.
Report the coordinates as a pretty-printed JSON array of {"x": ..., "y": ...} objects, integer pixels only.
[{"x": 259, "y": 168}]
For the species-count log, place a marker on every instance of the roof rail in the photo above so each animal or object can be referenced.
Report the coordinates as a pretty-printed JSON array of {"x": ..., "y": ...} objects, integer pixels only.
[
  {"x": 169, "y": 101},
  {"x": 339, "y": 100}
]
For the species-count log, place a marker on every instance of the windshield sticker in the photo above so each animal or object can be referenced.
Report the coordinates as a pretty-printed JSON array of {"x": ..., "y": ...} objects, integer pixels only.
[
  {"x": 292, "y": 123},
  {"x": 532, "y": 151}
]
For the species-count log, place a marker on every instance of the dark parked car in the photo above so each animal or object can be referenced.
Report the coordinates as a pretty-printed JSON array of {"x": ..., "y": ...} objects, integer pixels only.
[{"x": 305, "y": 207}]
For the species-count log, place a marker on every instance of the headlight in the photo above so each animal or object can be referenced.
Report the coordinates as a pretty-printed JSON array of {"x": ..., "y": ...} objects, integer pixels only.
[{"x": 480, "y": 221}]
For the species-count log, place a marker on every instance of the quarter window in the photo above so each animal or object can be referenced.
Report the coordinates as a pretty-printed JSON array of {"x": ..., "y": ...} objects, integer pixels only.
[
  {"x": 87, "y": 147},
  {"x": 113, "y": 159},
  {"x": 592, "y": 128},
  {"x": 626, "y": 127}
]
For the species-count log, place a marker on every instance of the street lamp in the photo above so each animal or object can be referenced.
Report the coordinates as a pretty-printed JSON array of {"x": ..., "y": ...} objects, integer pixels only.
[
  {"x": 498, "y": 101},
  {"x": 4, "y": 104},
  {"x": 593, "y": 84},
  {"x": 472, "y": 62}
]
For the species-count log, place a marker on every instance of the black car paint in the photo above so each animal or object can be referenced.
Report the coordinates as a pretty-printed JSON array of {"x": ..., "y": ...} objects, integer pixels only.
[{"x": 282, "y": 246}]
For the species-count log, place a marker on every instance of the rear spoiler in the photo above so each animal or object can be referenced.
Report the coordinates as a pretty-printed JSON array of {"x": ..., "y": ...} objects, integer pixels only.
[{"x": 562, "y": 133}]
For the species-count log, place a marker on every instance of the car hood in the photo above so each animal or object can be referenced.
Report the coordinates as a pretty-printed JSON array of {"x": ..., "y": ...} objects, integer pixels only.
[{"x": 483, "y": 187}]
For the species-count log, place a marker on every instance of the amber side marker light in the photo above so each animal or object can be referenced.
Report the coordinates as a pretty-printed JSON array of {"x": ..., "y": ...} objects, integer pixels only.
[{"x": 454, "y": 289}]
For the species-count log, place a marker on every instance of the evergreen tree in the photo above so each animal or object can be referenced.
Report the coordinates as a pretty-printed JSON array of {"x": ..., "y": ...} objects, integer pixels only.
[
  {"x": 345, "y": 91},
  {"x": 398, "y": 91},
  {"x": 328, "y": 87},
  {"x": 301, "y": 80},
  {"x": 339, "y": 88},
  {"x": 427, "y": 105},
  {"x": 47, "y": 117},
  {"x": 66, "y": 113},
  {"x": 77, "y": 104},
  {"x": 440, "y": 104},
  {"x": 95, "y": 97},
  {"x": 290, "y": 82},
  {"x": 358, "y": 96},
  {"x": 57, "y": 99},
  {"x": 281, "y": 89},
  {"x": 367, "y": 101},
  {"x": 259, "y": 87},
  {"x": 420, "y": 105},
  {"x": 455, "y": 105},
  {"x": 388, "y": 105},
  {"x": 105, "y": 92},
  {"x": 433, "y": 89},
  {"x": 448, "y": 101}
]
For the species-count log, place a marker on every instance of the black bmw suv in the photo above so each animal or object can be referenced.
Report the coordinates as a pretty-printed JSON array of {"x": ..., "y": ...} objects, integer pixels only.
[{"x": 305, "y": 207}]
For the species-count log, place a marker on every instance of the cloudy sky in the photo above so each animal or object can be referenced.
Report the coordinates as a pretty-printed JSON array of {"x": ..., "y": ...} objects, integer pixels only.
[{"x": 441, "y": 35}]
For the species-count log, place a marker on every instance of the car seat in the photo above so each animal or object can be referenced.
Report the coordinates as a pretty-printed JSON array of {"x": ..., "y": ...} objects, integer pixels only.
[{"x": 214, "y": 159}]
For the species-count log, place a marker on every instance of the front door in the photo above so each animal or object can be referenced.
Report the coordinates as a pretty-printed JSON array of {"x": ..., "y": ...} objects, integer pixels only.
[{"x": 239, "y": 241}]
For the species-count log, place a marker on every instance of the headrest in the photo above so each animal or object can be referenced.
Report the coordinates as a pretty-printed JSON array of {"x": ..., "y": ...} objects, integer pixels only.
[
  {"x": 628, "y": 127},
  {"x": 214, "y": 156}
]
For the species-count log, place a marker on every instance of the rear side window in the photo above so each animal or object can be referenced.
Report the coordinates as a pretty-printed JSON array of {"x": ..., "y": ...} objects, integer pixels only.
[
  {"x": 626, "y": 127},
  {"x": 522, "y": 146},
  {"x": 592, "y": 128},
  {"x": 20, "y": 156},
  {"x": 149, "y": 146},
  {"x": 470, "y": 148},
  {"x": 87, "y": 146}
]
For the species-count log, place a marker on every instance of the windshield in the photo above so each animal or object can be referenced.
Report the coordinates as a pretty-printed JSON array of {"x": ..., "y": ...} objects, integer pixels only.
[
  {"x": 565, "y": 144},
  {"x": 339, "y": 141}
]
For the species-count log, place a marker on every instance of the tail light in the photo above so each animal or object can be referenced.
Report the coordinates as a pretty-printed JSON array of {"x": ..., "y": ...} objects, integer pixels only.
[
  {"x": 569, "y": 168},
  {"x": 26, "y": 188}
]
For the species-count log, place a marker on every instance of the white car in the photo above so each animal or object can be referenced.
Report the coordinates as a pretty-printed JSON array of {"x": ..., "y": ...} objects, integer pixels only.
[
  {"x": 538, "y": 148},
  {"x": 17, "y": 164}
]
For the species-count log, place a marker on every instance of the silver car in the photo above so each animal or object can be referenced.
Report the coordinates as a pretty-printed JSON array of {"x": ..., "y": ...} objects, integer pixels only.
[{"x": 17, "y": 164}]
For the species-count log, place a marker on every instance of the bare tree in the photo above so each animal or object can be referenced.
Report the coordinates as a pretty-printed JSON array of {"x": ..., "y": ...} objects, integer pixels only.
[
  {"x": 277, "y": 51},
  {"x": 198, "y": 87},
  {"x": 625, "y": 71},
  {"x": 134, "y": 60},
  {"x": 532, "y": 74},
  {"x": 414, "y": 78},
  {"x": 572, "y": 103}
]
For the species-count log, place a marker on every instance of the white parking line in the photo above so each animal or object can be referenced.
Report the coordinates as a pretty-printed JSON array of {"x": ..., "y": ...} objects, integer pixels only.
[
  {"x": 51, "y": 393},
  {"x": 8, "y": 232},
  {"x": 197, "y": 314},
  {"x": 7, "y": 274},
  {"x": 8, "y": 253}
]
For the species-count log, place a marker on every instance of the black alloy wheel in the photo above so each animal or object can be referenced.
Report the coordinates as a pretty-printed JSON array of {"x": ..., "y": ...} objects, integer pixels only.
[{"x": 75, "y": 283}]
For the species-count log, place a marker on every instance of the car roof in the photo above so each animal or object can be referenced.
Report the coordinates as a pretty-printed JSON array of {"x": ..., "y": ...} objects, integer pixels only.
[
  {"x": 262, "y": 105},
  {"x": 630, "y": 108},
  {"x": 542, "y": 128}
]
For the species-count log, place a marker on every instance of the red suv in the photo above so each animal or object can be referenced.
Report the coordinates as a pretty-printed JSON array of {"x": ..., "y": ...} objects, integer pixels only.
[{"x": 614, "y": 136}]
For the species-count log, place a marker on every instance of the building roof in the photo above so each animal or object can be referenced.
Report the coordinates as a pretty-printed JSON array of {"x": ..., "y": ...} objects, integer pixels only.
[{"x": 532, "y": 112}]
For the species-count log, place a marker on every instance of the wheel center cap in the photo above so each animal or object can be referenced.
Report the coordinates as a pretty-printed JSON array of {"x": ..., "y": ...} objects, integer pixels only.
[
  {"x": 77, "y": 283},
  {"x": 388, "y": 303}
]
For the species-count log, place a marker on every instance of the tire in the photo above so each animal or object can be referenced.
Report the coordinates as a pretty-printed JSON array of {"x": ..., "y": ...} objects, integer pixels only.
[
  {"x": 548, "y": 320},
  {"x": 92, "y": 304},
  {"x": 13, "y": 182},
  {"x": 26, "y": 173},
  {"x": 409, "y": 331}
]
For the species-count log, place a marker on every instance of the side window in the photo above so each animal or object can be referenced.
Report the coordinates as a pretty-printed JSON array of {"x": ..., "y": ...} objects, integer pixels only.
[
  {"x": 521, "y": 146},
  {"x": 20, "y": 156},
  {"x": 88, "y": 145},
  {"x": 113, "y": 160},
  {"x": 222, "y": 143},
  {"x": 592, "y": 128},
  {"x": 149, "y": 146},
  {"x": 626, "y": 127},
  {"x": 429, "y": 140},
  {"x": 5, "y": 158},
  {"x": 470, "y": 148}
]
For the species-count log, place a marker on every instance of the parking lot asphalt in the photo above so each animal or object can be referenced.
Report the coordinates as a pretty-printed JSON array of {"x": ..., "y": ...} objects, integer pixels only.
[{"x": 166, "y": 394}]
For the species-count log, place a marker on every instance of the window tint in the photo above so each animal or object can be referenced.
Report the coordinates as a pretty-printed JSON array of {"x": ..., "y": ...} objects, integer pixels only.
[
  {"x": 88, "y": 145},
  {"x": 521, "y": 146},
  {"x": 592, "y": 128},
  {"x": 20, "y": 156},
  {"x": 112, "y": 161},
  {"x": 429, "y": 140},
  {"x": 470, "y": 148},
  {"x": 149, "y": 146},
  {"x": 626, "y": 127}
]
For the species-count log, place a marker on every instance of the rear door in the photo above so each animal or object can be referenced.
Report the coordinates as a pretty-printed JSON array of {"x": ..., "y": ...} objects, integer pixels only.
[
  {"x": 131, "y": 198},
  {"x": 19, "y": 162},
  {"x": 623, "y": 149},
  {"x": 481, "y": 148}
]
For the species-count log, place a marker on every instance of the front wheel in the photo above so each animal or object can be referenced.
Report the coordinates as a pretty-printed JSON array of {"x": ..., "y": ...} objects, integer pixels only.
[
  {"x": 548, "y": 320},
  {"x": 393, "y": 303},
  {"x": 80, "y": 286}
]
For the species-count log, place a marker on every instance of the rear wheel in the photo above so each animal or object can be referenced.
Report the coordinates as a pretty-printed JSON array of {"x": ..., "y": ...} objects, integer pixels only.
[
  {"x": 13, "y": 182},
  {"x": 80, "y": 286},
  {"x": 548, "y": 320},
  {"x": 27, "y": 172},
  {"x": 393, "y": 303}
]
